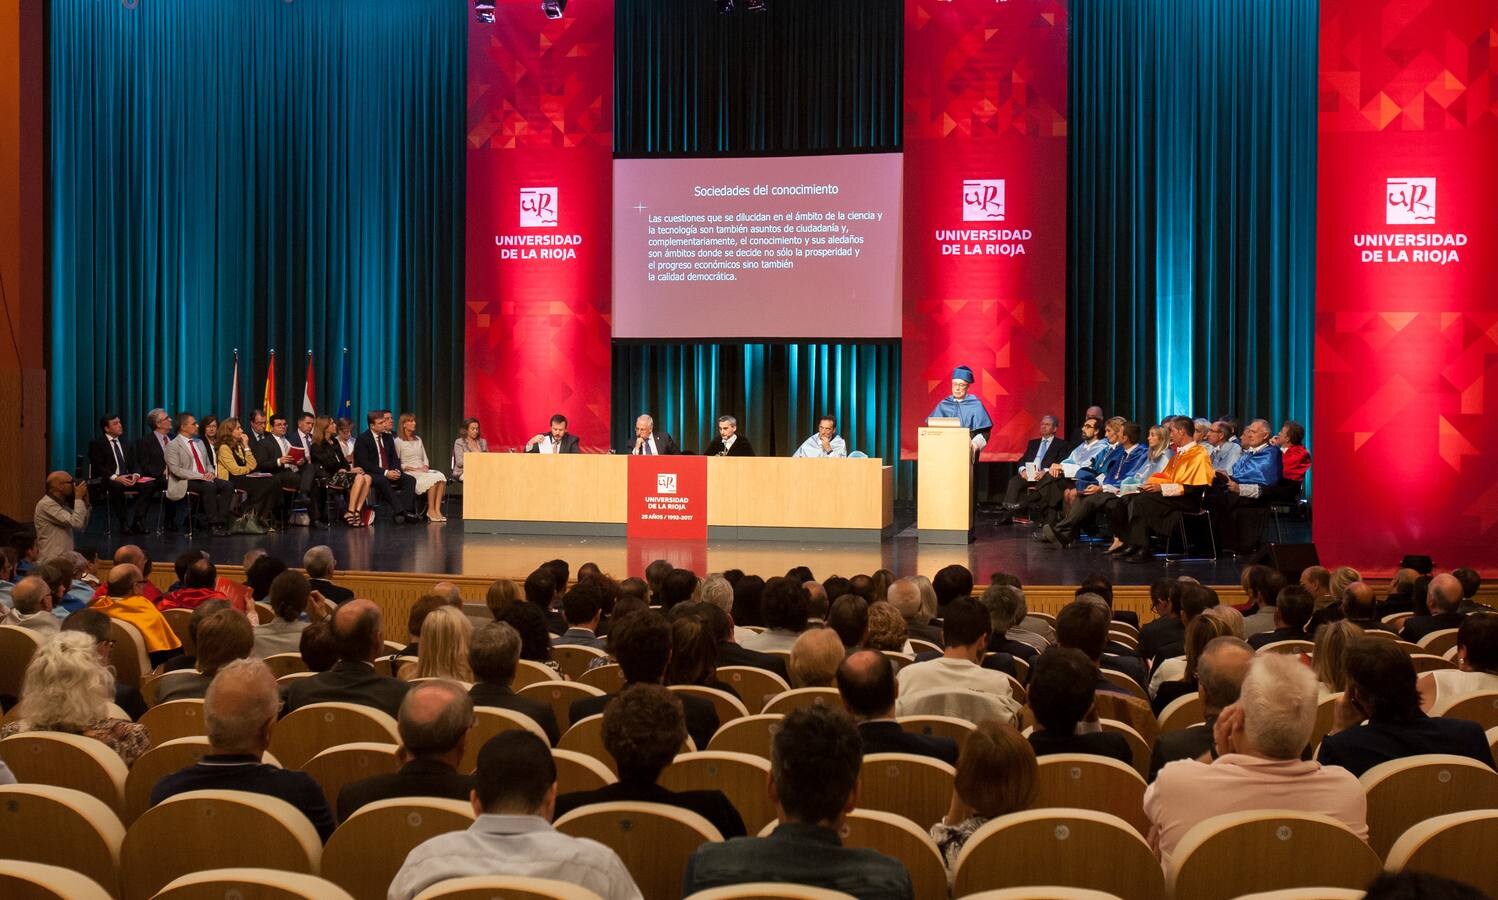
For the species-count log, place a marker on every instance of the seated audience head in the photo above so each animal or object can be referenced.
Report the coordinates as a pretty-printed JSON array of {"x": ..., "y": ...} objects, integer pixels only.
[
  {"x": 1220, "y": 670},
  {"x": 1262, "y": 584},
  {"x": 784, "y": 605},
  {"x": 626, "y": 605},
  {"x": 450, "y": 592},
  {"x": 799, "y": 574},
  {"x": 31, "y": 595},
  {"x": 1230, "y": 617},
  {"x": 905, "y": 596},
  {"x": 815, "y": 759},
  {"x": 655, "y": 576},
  {"x": 494, "y": 653},
  {"x": 952, "y": 582},
  {"x": 434, "y": 720},
  {"x": 319, "y": 562},
  {"x": 357, "y": 629},
  {"x": 1279, "y": 698},
  {"x": 1476, "y": 644},
  {"x": 1445, "y": 594},
  {"x": 443, "y": 649},
  {"x": 535, "y": 641},
  {"x": 1202, "y": 631},
  {"x": 1294, "y": 607},
  {"x": 694, "y": 649},
  {"x": 97, "y": 626},
  {"x": 201, "y": 612},
  {"x": 261, "y": 573},
  {"x": 1358, "y": 602},
  {"x": 501, "y": 595},
  {"x": 581, "y": 607},
  {"x": 559, "y": 573},
  {"x": 644, "y": 728},
  {"x": 516, "y": 776},
  {"x": 67, "y": 687},
  {"x": 201, "y": 574},
  {"x": 816, "y": 600},
  {"x": 965, "y": 629},
  {"x": 636, "y": 588},
  {"x": 815, "y": 657},
  {"x": 641, "y": 642},
  {"x": 135, "y": 556},
  {"x": 540, "y": 588},
  {"x": 1329, "y": 659},
  {"x": 719, "y": 625},
  {"x": 1006, "y": 607},
  {"x": 223, "y": 637},
  {"x": 717, "y": 591},
  {"x": 1470, "y": 581},
  {"x": 1381, "y": 681},
  {"x": 240, "y": 708},
  {"x": 849, "y": 618},
  {"x": 886, "y": 630},
  {"x": 861, "y": 586},
  {"x": 289, "y": 595},
  {"x": 124, "y": 581},
  {"x": 866, "y": 681},
  {"x": 882, "y": 579},
  {"x": 996, "y": 771},
  {"x": 1062, "y": 681},
  {"x": 1341, "y": 577},
  {"x": 1420, "y": 597},
  {"x": 317, "y": 647},
  {"x": 836, "y": 586},
  {"x": 588, "y": 570},
  {"x": 1099, "y": 585},
  {"x": 1191, "y": 599},
  {"x": 677, "y": 587},
  {"x": 1317, "y": 580},
  {"x": 748, "y": 600},
  {"x": 1083, "y": 625},
  {"x": 186, "y": 559}
]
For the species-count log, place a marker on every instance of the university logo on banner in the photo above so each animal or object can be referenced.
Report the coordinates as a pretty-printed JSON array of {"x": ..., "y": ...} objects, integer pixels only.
[
  {"x": 983, "y": 200},
  {"x": 1410, "y": 201},
  {"x": 538, "y": 207},
  {"x": 665, "y": 483}
]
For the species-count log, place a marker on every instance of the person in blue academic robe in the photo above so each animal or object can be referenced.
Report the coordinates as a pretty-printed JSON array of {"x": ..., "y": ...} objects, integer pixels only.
[
  {"x": 1237, "y": 503},
  {"x": 966, "y": 408}
]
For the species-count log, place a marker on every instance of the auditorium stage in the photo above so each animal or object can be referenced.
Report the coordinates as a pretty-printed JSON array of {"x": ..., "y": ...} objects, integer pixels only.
[{"x": 445, "y": 549}]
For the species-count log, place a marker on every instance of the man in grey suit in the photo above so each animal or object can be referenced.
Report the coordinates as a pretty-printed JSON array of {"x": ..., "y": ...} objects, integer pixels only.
[{"x": 188, "y": 472}]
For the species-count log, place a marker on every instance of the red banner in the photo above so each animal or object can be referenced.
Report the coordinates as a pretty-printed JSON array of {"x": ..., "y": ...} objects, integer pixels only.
[
  {"x": 540, "y": 186},
  {"x": 985, "y": 212},
  {"x": 1406, "y": 263},
  {"x": 667, "y": 498}
]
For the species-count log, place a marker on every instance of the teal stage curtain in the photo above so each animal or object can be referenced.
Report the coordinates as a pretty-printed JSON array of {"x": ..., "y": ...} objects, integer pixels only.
[
  {"x": 255, "y": 174},
  {"x": 1192, "y": 207}
]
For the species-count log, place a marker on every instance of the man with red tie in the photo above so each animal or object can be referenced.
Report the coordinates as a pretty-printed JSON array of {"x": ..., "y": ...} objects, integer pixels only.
[
  {"x": 374, "y": 452},
  {"x": 188, "y": 472}
]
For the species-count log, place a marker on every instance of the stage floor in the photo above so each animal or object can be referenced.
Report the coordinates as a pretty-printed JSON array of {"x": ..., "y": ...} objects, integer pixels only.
[{"x": 446, "y": 549}]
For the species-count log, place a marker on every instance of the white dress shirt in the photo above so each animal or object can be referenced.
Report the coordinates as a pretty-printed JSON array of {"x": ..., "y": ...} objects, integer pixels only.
[
  {"x": 648, "y": 448},
  {"x": 955, "y": 687},
  {"x": 812, "y": 447}
]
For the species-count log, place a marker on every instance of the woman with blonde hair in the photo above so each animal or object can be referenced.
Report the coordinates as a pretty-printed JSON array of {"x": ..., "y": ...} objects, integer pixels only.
[
  {"x": 336, "y": 471},
  {"x": 996, "y": 775},
  {"x": 1329, "y": 658},
  {"x": 68, "y": 689},
  {"x": 442, "y": 651},
  {"x": 413, "y": 458},
  {"x": 886, "y": 629},
  {"x": 815, "y": 657}
]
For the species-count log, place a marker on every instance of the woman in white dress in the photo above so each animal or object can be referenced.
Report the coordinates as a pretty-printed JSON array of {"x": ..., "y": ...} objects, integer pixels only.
[
  {"x": 413, "y": 456},
  {"x": 468, "y": 442},
  {"x": 1476, "y": 660}
]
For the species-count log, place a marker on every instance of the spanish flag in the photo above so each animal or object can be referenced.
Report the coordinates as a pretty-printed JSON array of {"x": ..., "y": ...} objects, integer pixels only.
[{"x": 269, "y": 405}]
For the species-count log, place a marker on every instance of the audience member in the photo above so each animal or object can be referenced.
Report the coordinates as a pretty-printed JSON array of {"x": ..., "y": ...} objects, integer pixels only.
[
  {"x": 8, "y": 575},
  {"x": 866, "y": 681},
  {"x": 583, "y": 612},
  {"x": 677, "y": 587},
  {"x": 1166, "y": 628},
  {"x": 514, "y": 798},
  {"x": 951, "y": 583},
  {"x": 1471, "y": 582},
  {"x": 996, "y": 775},
  {"x": 1262, "y": 586},
  {"x": 445, "y": 633},
  {"x": 500, "y": 596},
  {"x": 694, "y": 649},
  {"x": 1083, "y": 625},
  {"x": 535, "y": 639},
  {"x": 1203, "y": 630},
  {"x": 1220, "y": 669},
  {"x": 356, "y": 633},
  {"x": 261, "y": 574},
  {"x": 317, "y": 647},
  {"x": 816, "y": 601},
  {"x": 955, "y": 683},
  {"x": 886, "y": 629},
  {"x": 1006, "y": 610},
  {"x": 67, "y": 688},
  {"x": 321, "y": 565},
  {"x": 97, "y": 626},
  {"x": 848, "y": 618},
  {"x": 239, "y": 713},
  {"x": 643, "y": 729},
  {"x": 221, "y": 638},
  {"x": 815, "y": 759},
  {"x": 1292, "y": 610},
  {"x": 1444, "y": 596},
  {"x": 1062, "y": 684},
  {"x": 124, "y": 601},
  {"x": 540, "y": 591},
  {"x": 291, "y": 597},
  {"x": 1360, "y": 608},
  {"x": 424, "y": 606},
  {"x": 185, "y": 661},
  {"x": 434, "y": 721},
  {"x": 815, "y": 657},
  {"x": 905, "y": 596},
  {"x": 1476, "y": 660},
  {"x": 748, "y": 602},
  {"x": 783, "y": 604},
  {"x": 1258, "y": 743},
  {"x": 199, "y": 584},
  {"x": 494, "y": 655},
  {"x": 1329, "y": 658},
  {"x": 1381, "y": 690},
  {"x": 32, "y": 602},
  {"x": 732, "y": 654}
]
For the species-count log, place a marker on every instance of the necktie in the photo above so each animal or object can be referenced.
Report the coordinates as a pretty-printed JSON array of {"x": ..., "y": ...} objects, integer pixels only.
[
  {"x": 1040, "y": 454},
  {"x": 119, "y": 456},
  {"x": 648, "y": 449},
  {"x": 381, "y": 444},
  {"x": 193, "y": 446}
]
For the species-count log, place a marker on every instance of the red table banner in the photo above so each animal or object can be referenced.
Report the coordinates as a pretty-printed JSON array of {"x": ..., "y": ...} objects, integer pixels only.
[
  {"x": 1406, "y": 263},
  {"x": 540, "y": 191},
  {"x": 985, "y": 212},
  {"x": 667, "y": 498}
]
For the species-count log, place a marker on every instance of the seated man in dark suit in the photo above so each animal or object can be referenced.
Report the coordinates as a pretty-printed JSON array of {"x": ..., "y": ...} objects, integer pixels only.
[
  {"x": 357, "y": 633},
  {"x": 866, "y": 681},
  {"x": 320, "y": 564},
  {"x": 1062, "y": 683},
  {"x": 1166, "y": 629},
  {"x": 555, "y": 440},
  {"x": 112, "y": 463},
  {"x": 1083, "y": 625},
  {"x": 720, "y": 624},
  {"x": 642, "y": 644},
  {"x": 1445, "y": 599},
  {"x": 729, "y": 442},
  {"x": 649, "y": 442},
  {"x": 1006, "y": 609},
  {"x": 434, "y": 721},
  {"x": 1044, "y": 451},
  {"x": 1381, "y": 689},
  {"x": 150, "y": 450},
  {"x": 1292, "y": 610},
  {"x": 1102, "y": 585},
  {"x": 814, "y": 765},
  {"x": 582, "y": 609},
  {"x": 375, "y": 453},
  {"x": 643, "y": 729},
  {"x": 1359, "y": 606},
  {"x": 1220, "y": 671},
  {"x": 240, "y": 713},
  {"x": 493, "y": 654}
]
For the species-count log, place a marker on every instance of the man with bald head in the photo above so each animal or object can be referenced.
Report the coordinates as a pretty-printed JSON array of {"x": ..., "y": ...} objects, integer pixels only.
[
  {"x": 1220, "y": 670},
  {"x": 240, "y": 713},
  {"x": 905, "y": 594},
  {"x": 1445, "y": 599},
  {"x": 357, "y": 633},
  {"x": 130, "y": 554},
  {"x": 866, "y": 681},
  {"x": 33, "y": 607},
  {"x": 1359, "y": 607},
  {"x": 63, "y": 510},
  {"x": 123, "y": 600},
  {"x": 434, "y": 721}
]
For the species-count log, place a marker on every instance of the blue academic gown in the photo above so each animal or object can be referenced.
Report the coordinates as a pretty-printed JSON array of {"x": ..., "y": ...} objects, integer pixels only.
[
  {"x": 970, "y": 413},
  {"x": 1262, "y": 468},
  {"x": 1087, "y": 476}
]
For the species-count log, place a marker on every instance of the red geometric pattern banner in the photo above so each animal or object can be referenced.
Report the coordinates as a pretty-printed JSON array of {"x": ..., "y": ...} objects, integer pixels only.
[
  {"x": 985, "y": 212},
  {"x": 540, "y": 184},
  {"x": 1406, "y": 425}
]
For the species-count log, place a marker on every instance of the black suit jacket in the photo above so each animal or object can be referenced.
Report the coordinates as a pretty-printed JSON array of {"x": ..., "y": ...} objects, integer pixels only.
[
  {"x": 267, "y": 452},
  {"x": 417, "y": 778},
  {"x": 731, "y": 654},
  {"x": 570, "y": 444},
  {"x": 663, "y": 444},
  {"x": 1188, "y": 743},
  {"x": 348, "y": 682},
  {"x": 1417, "y": 627},
  {"x": 331, "y": 591},
  {"x": 702, "y": 718},
  {"x": 367, "y": 455},
  {"x": 889, "y": 737},
  {"x": 740, "y": 447},
  {"x": 503, "y": 697},
  {"x": 150, "y": 457},
  {"x": 1053, "y": 454},
  {"x": 101, "y": 461},
  {"x": 1275, "y": 636},
  {"x": 710, "y": 805}
]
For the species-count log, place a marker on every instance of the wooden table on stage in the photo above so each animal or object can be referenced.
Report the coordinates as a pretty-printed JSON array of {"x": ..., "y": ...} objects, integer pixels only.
[{"x": 757, "y": 498}]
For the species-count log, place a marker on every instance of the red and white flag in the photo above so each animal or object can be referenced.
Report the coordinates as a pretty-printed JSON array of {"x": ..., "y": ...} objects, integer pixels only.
[
  {"x": 309, "y": 393},
  {"x": 269, "y": 402}
]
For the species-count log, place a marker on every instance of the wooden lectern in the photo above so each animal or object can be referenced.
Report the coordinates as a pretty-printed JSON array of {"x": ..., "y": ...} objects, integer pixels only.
[{"x": 944, "y": 485}]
